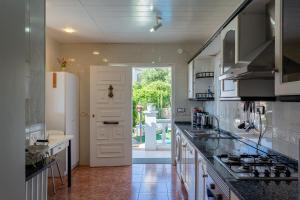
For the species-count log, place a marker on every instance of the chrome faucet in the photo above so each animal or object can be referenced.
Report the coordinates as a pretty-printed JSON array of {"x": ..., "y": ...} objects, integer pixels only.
[{"x": 218, "y": 122}]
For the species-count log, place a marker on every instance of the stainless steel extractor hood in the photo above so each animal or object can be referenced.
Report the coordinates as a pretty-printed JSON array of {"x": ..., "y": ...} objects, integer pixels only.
[{"x": 260, "y": 64}]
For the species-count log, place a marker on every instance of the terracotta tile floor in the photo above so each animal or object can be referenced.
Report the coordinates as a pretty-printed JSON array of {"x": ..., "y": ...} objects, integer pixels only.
[{"x": 136, "y": 182}]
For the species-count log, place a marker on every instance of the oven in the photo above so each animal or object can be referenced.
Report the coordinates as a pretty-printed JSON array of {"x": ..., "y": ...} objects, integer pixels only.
[
  {"x": 210, "y": 185},
  {"x": 214, "y": 190}
]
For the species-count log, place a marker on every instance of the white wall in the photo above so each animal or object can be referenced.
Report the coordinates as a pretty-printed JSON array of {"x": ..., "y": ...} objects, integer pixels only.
[
  {"x": 52, "y": 53},
  {"x": 12, "y": 100},
  {"x": 124, "y": 53}
]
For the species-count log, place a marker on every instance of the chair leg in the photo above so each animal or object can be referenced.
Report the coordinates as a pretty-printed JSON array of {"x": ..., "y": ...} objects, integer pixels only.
[
  {"x": 58, "y": 169},
  {"x": 53, "y": 181}
]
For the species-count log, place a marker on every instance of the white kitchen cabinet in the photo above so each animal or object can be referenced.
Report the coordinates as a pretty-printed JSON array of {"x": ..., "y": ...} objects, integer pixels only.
[
  {"x": 287, "y": 47},
  {"x": 190, "y": 171},
  {"x": 191, "y": 80},
  {"x": 183, "y": 160},
  {"x": 188, "y": 167},
  {"x": 201, "y": 177},
  {"x": 239, "y": 39},
  {"x": 178, "y": 156},
  {"x": 35, "y": 68}
]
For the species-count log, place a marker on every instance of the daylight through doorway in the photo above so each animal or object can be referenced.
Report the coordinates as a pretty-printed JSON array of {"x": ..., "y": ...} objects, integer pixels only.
[{"x": 151, "y": 114}]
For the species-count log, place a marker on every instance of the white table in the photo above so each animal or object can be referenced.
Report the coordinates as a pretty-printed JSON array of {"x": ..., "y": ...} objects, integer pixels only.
[{"x": 57, "y": 143}]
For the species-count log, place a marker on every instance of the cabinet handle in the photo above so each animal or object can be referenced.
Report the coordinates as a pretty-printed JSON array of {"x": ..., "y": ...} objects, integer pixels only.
[
  {"x": 275, "y": 71},
  {"x": 184, "y": 145}
]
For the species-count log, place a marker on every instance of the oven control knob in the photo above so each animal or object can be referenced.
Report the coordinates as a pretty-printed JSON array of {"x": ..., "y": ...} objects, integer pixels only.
[
  {"x": 287, "y": 173},
  {"x": 256, "y": 173},
  {"x": 219, "y": 197},
  {"x": 267, "y": 173},
  {"x": 212, "y": 186},
  {"x": 277, "y": 173}
]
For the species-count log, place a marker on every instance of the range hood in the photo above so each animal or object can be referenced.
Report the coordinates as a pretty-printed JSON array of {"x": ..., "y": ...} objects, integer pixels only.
[{"x": 260, "y": 64}]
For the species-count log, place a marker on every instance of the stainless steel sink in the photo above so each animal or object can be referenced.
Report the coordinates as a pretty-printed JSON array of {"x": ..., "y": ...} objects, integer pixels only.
[{"x": 207, "y": 133}]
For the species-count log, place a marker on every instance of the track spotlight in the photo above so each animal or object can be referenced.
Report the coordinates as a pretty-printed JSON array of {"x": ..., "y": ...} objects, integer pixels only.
[{"x": 157, "y": 25}]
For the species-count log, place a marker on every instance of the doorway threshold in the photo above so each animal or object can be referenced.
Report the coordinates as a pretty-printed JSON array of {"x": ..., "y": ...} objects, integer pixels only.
[{"x": 151, "y": 160}]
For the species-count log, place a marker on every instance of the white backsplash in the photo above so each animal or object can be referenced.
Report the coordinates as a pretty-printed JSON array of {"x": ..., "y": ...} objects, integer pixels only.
[{"x": 282, "y": 120}]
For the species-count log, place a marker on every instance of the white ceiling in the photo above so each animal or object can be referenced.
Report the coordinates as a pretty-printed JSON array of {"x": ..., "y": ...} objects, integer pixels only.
[{"x": 129, "y": 21}]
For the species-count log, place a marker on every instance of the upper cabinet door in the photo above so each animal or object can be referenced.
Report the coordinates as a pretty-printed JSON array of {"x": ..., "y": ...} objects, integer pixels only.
[
  {"x": 191, "y": 81},
  {"x": 287, "y": 80},
  {"x": 228, "y": 49},
  {"x": 35, "y": 65}
]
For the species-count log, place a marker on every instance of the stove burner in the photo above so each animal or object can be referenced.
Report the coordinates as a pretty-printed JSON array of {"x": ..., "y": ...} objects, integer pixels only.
[
  {"x": 287, "y": 173},
  {"x": 264, "y": 159},
  {"x": 245, "y": 168},
  {"x": 256, "y": 173},
  {"x": 279, "y": 168},
  {"x": 267, "y": 173},
  {"x": 257, "y": 166},
  {"x": 234, "y": 158},
  {"x": 277, "y": 173}
]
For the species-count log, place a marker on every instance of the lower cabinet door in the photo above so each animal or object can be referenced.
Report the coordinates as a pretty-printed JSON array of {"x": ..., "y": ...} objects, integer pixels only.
[
  {"x": 183, "y": 160},
  {"x": 191, "y": 172},
  {"x": 201, "y": 179}
]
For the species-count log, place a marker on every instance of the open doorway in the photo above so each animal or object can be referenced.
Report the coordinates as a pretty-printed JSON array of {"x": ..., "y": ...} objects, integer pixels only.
[{"x": 151, "y": 114}]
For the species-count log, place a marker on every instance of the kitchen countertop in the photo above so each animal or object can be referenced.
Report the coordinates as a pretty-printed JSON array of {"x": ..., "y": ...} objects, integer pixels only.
[
  {"x": 31, "y": 171},
  {"x": 245, "y": 189},
  {"x": 56, "y": 139}
]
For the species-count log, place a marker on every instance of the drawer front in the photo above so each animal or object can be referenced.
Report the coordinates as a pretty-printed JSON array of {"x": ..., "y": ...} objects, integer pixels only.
[{"x": 58, "y": 148}]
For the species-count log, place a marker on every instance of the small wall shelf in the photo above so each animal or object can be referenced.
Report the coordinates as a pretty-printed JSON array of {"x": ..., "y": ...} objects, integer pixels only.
[
  {"x": 200, "y": 75},
  {"x": 202, "y": 99}
]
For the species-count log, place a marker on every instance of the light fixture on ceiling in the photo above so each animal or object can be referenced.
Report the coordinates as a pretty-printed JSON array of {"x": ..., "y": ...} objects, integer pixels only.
[
  {"x": 105, "y": 60},
  {"x": 69, "y": 30},
  {"x": 96, "y": 53},
  {"x": 157, "y": 25},
  {"x": 27, "y": 29}
]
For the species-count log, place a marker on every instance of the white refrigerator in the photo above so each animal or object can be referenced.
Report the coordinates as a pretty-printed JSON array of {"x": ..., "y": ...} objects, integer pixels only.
[{"x": 62, "y": 110}]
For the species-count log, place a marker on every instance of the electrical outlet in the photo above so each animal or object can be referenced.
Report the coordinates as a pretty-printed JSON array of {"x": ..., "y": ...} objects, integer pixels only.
[{"x": 180, "y": 110}]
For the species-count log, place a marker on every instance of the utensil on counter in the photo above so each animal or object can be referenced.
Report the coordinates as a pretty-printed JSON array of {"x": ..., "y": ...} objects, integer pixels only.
[{"x": 243, "y": 124}]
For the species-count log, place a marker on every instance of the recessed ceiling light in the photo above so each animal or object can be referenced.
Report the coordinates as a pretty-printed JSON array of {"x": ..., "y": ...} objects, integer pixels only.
[
  {"x": 96, "y": 53},
  {"x": 151, "y": 7},
  {"x": 69, "y": 30},
  {"x": 105, "y": 60},
  {"x": 72, "y": 59},
  {"x": 27, "y": 29}
]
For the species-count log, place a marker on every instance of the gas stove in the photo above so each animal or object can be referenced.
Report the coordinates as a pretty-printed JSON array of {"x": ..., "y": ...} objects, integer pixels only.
[{"x": 258, "y": 166}]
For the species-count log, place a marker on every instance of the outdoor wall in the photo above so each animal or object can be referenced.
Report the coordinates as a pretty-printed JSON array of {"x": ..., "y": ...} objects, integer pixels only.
[{"x": 83, "y": 58}]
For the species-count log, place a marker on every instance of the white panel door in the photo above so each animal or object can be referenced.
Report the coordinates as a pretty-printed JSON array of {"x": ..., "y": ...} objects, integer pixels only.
[{"x": 110, "y": 108}]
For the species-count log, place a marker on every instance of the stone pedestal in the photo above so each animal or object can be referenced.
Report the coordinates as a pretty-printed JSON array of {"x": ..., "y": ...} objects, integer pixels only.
[{"x": 150, "y": 130}]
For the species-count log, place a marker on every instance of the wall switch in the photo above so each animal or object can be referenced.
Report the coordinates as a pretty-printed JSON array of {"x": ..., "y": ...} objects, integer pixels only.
[{"x": 180, "y": 110}]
